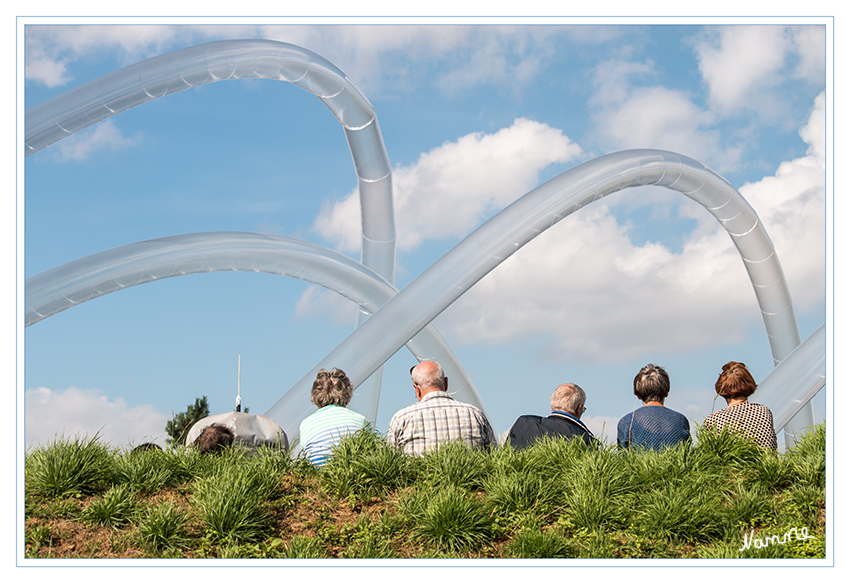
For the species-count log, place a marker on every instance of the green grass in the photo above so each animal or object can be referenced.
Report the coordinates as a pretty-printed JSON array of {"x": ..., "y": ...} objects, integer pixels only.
[
  {"x": 231, "y": 506},
  {"x": 162, "y": 531},
  {"x": 69, "y": 468},
  {"x": 557, "y": 499},
  {"x": 115, "y": 509}
]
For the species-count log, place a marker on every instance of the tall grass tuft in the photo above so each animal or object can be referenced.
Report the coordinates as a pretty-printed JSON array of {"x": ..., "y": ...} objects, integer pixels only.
[
  {"x": 725, "y": 450},
  {"x": 597, "y": 490},
  {"x": 68, "y": 468},
  {"x": 303, "y": 547},
  {"x": 451, "y": 519},
  {"x": 747, "y": 507},
  {"x": 152, "y": 470},
  {"x": 690, "y": 511},
  {"x": 363, "y": 465},
  {"x": 230, "y": 504},
  {"x": 519, "y": 497},
  {"x": 452, "y": 464},
  {"x": 771, "y": 472},
  {"x": 163, "y": 529},
  {"x": 537, "y": 544},
  {"x": 115, "y": 508}
]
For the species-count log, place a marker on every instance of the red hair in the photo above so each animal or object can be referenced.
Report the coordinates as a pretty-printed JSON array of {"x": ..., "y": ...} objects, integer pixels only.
[{"x": 735, "y": 382}]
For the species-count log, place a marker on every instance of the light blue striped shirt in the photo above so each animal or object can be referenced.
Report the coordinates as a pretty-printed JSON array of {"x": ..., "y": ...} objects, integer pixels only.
[{"x": 322, "y": 430}]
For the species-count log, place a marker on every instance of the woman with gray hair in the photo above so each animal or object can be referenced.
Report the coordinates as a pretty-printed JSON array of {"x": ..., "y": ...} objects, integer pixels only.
[
  {"x": 652, "y": 426},
  {"x": 322, "y": 431}
]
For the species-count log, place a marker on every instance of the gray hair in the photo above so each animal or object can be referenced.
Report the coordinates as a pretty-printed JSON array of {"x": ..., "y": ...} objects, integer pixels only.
[
  {"x": 430, "y": 376},
  {"x": 331, "y": 388},
  {"x": 568, "y": 397},
  {"x": 652, "y": 383}
]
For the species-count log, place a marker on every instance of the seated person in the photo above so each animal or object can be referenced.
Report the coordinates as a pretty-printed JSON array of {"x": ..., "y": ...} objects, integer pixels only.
[
  {"x": 653, "y": 426},
  {"x": 322, "y": 430},
  {"x": 567, "y": 405},
  {"x": 751, "y": 420},
  {"x": 436, "y": 418},
  {"x": 249, "y": 431},
  {"x": 214, "y": 438}
]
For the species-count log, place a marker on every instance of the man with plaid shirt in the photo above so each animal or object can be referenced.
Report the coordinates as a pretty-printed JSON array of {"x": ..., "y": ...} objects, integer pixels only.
[{"x": 437, "y": 418}]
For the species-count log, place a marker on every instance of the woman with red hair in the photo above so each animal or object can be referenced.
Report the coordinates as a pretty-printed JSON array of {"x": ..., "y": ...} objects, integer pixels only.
[{"x": 751, "y": 420}]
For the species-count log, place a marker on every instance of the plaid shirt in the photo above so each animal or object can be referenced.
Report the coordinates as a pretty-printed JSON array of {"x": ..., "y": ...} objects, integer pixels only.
[{"x": 435, "y": 419}]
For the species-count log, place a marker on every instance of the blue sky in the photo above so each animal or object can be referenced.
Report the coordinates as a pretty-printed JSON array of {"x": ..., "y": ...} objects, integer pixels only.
[{"x": 473, "y": 117}]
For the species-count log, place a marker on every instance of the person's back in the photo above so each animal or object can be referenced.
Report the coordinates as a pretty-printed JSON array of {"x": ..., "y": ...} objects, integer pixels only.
[
  {"x": 750, "y": 420},
  {"x": 322, "y": 431},
  {"x": 529, "y": 428},
  {"x": 437, "y": 418},
  {"x": 652, "y": 428},
  {"x": 567, "y": 406}
]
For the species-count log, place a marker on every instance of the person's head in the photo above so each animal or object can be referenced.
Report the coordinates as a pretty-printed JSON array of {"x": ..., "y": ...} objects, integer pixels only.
[
  {"x": 147, "y": 446},
  {"x": 331, "y": 388},
  {"x": 569, "y": 398},
  {"x": 735, "y": 382},
  {"x": 428, "y": 376},
  {"x": 215, "y": 438},
  {"x": 652, "y": 384}
]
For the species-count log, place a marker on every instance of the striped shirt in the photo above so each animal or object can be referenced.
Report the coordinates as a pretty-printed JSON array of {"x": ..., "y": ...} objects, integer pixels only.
[
  {"x": 750, "y": 420},
  {"x": 323, "y": 430},
  {"x": 435, "y": 419}
]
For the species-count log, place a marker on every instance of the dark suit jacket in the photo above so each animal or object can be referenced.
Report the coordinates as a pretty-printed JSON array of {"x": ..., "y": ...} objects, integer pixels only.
[{"x": 530, "y": 428}]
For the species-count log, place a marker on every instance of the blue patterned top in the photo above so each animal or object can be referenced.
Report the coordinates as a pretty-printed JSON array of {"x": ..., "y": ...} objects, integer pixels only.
[{"x": 652, "y": 427}]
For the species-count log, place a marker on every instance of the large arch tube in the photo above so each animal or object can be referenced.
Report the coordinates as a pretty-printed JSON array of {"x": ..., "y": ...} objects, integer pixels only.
[
  {"x": 136, "y": 84},
  {"x": 90, "y": 277},
  {"x": 369, "y": 346},
  {"x": 101, "y": 98}
]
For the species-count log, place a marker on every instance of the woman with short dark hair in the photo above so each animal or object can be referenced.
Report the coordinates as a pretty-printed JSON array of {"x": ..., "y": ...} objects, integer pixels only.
[
  {"x": 653, "y": 426},
  {"x": 751, "y": 420},
  {"x": 322, "y": 430}
]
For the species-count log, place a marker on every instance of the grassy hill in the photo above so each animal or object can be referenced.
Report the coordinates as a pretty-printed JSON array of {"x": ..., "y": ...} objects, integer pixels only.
[{"x": 558, "y": 499}]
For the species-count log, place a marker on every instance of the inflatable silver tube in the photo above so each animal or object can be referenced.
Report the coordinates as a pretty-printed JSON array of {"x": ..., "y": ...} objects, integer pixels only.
[
  {"x": 447, "y": 279},
  {"x": 96, "y": 275},
  {"x": 157, "y": 77},
  {"x": 795, "y": 381}
]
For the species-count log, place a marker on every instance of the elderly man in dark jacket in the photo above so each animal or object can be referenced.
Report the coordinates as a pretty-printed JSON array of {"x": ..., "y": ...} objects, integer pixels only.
[{"x": 567, "y": 404}]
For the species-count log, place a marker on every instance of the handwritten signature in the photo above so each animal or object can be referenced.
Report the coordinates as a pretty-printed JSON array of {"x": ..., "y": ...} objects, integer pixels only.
[{"x": 760, "y": 543}]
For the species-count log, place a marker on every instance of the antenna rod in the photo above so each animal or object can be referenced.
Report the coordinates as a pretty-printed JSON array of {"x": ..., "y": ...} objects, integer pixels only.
[{"x": 239, "y": 385}]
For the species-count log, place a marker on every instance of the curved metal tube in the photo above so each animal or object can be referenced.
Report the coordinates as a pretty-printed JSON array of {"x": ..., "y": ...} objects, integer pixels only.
[
  {"x": 82, "y": 106},
  {"x": 369, "y": 346},
  {"x": 795, "y": 381},
  {"x": 136, "y": 84},
  {"x": 96, "y": 275}
]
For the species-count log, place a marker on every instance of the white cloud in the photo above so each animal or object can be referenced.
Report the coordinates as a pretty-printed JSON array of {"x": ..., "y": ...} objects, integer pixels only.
[
  {"x": 791, "y": 204},
  {"x": 598, "y": 297},
  {"x": 735, "y": 61},
  {"x": 628, "y": 117},
  {"x": 102, "y": 136},
  {"x": 50, "y": 49},
  {"x": 809, "y": 43},
  {"x": 376, "y": 56},
  {"x": 452, "y": 188},
  {"x": 744, "y": 66},
  {"x": 85, "y": 412},
  {"x": 317, "y": 301}
]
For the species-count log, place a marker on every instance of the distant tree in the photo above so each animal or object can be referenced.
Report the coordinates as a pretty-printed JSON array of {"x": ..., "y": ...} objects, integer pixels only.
[{"x": 178, "y": 427}]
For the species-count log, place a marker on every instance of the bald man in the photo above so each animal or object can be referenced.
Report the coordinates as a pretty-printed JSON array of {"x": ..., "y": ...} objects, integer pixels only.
[{"x": 437, "y": 418}]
